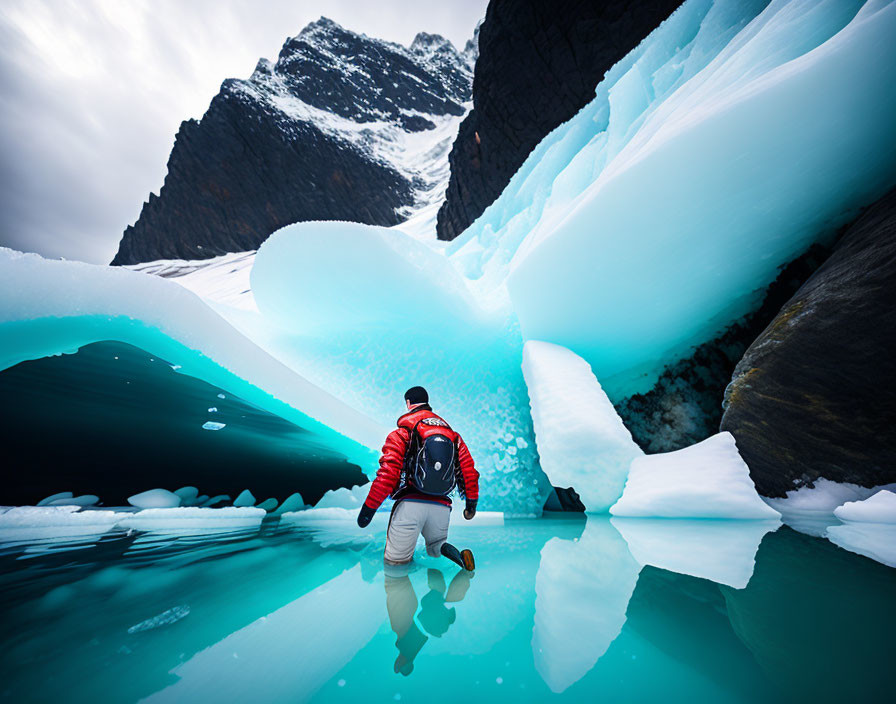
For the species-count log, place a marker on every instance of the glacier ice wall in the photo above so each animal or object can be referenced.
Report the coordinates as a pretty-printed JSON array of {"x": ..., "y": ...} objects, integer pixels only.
[
  {"x": 734, "y": 136},
  {"x": 367, "y": 312},
  {"x": 52, "y": 307}
]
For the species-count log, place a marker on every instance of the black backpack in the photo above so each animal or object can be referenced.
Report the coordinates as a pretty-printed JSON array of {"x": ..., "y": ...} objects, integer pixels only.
[{"x": 430, "y": 464}]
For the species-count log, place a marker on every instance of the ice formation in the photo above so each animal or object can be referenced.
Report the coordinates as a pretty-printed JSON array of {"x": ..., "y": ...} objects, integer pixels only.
[
  {"x": 189, "y": 495},
  {"x": 83, "y": 500},
  {"x": 735, "y": 135},
  {"x": 823, "y": 497},
  {"x": 395, "y": 316},
  {"x": 53, "y": 497},
  {"x": 582, "y": 592},
  {"x": 50, "y": 307},
  {"x": 706, "y": 480},
  {"x": 713, "y": 153},
  {"x": 581, "y": 440},
  {"x": 721, "y": 550},
  {"x": 212, "y": 425},
  {"x": 293, "y": 502},
  {"x": 245, "y": 498},
  {"x": 344, "y": 497},
  {"x": 41, "y": 522},
  {"x": 155, "y": 498},
  {"x": 874, "y": 540},
  {"x": 193, "y": 518},
  {"x": 879, "y": 508}
]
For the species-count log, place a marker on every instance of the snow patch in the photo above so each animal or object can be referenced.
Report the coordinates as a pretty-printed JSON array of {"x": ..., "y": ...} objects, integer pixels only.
[{"x": 706, "y": 480}]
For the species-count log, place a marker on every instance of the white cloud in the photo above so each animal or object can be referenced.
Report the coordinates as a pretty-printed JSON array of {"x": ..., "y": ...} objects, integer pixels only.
[{"x": 93, "y": 93}]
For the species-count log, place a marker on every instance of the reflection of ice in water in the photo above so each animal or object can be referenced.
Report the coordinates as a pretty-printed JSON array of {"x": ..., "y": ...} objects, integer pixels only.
[
  {"x": 582, "y": 592},
  {"x": 721, "y": 550},
  {"x": 874, "y": 540},
  {"x": 248, "y": 665}
]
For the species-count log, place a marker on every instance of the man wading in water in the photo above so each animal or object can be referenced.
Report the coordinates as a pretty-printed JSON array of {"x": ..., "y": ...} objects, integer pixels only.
[{"x": 423, "y": 461}]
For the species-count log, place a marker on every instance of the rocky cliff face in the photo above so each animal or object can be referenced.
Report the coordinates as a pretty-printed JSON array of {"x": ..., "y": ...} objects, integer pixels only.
[
  {"x": 340, "y": 127},
  {"x": 684, "y": 406},
  {"x": 539, "y": 62},
  {"x": 815, "y": 394}
]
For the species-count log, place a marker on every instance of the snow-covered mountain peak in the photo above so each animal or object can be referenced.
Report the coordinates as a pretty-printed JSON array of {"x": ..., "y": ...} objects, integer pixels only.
[{"x": 341, "y": 126}]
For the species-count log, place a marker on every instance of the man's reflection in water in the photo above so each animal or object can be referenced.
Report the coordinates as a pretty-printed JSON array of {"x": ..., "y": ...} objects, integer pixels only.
[{"x": 434, "y": 616}]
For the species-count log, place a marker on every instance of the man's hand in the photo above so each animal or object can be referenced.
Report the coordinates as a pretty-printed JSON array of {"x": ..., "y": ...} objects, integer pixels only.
[
  {"x": 470, "y": 510},
  {"x": 365, "y": 516}
]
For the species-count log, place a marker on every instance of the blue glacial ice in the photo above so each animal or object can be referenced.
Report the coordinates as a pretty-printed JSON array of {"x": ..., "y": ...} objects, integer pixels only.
[
  {"x": 719, "y": 149},
  {"x": 728, "y": 141}
]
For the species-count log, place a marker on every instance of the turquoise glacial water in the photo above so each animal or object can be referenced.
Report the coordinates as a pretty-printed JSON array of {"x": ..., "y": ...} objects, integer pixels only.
[{"x": 558, "y": 609}]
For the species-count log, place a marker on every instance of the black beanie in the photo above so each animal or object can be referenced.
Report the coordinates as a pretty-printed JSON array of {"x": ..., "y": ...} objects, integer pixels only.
[{"x": 416, "y": 394}]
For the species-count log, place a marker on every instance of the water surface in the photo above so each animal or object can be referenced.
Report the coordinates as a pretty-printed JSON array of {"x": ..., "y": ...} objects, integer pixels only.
[{"x": 565, "y": 610}]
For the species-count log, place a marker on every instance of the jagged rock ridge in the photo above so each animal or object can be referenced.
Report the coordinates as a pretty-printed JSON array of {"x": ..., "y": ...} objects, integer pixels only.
[{"x": 341, "y": 127}]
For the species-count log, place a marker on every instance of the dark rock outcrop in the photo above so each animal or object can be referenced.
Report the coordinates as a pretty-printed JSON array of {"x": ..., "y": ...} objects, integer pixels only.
[
  {"x": 539, "y": 62},
  {"x": 564, "y": 501},
  {"x": 314, "y": 136},
  {"x": 815, "y": 394},
  {"x": 685, "y": 405}
]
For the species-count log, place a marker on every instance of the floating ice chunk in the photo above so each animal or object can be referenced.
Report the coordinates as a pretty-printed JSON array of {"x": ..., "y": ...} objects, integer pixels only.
[
  {"x": 53, "y": 497},
  {"x": 215, "y": 500},
  {"x": 155, "y": 498},
  {"x": 581, "y": 440},
  {"x": 163, "y": 619},
  {"x": 344, "y": 497},
  {"x": 188, "y": 495},
  {"x": 244, "y": 499},
  {"x": 879, "y": 508},
  {"x": 84, "y": 500},
  {"x": 42, "y": 522},
  {"x": 213, "y": 409},
  {"x": 582, "y": 591},
  {"x": 221, "y": 396},
  {"x": 211, "y": 425},
  {"x": 193, "y": 518},
  {"x": 874, "y": 540},
  {"x": 706, "y": 480},
  {"x": 294, "y": 502},
  {"x": 268, "y": 504},
  {"x": 721, "y": 550},
  {"x": 823, "y": 497}
]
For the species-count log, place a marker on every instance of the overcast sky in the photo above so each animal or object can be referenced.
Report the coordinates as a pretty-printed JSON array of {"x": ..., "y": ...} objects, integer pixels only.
[{"x": 92, "y": 93}]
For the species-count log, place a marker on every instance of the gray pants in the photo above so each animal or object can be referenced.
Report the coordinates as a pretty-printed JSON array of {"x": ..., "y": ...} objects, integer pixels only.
[{"x": 410, "y": 519}]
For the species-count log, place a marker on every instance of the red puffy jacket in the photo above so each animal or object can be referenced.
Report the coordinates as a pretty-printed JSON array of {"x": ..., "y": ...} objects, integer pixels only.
[{"x": 388, "y": 476}]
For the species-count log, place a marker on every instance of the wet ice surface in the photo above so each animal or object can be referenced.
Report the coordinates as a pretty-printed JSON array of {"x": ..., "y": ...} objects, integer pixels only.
[{"x": 559, "y": 609}]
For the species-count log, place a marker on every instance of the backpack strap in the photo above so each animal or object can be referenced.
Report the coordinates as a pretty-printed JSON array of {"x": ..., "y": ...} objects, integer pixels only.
[{"x": 411, "y": 451}]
